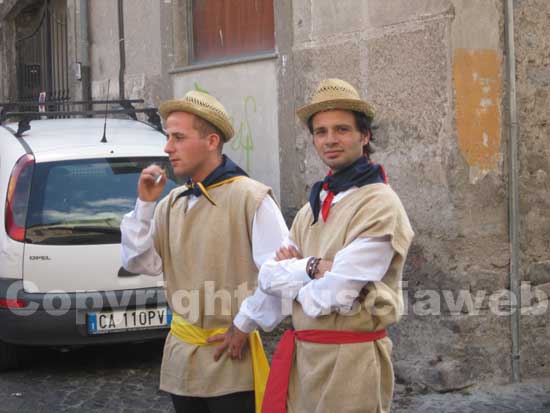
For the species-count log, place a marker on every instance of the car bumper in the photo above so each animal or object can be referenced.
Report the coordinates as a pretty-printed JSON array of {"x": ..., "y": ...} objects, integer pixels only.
[{"x": 60, "y": 319}]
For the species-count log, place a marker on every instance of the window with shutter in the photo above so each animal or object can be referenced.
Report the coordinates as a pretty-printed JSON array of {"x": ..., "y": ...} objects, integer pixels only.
[{"x": 231, "y": 28}]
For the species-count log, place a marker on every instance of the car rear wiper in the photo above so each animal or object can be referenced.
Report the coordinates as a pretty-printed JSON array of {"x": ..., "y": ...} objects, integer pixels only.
[
  {"x": 95, "y": 228},
  {"x": 79, "y": 228}
]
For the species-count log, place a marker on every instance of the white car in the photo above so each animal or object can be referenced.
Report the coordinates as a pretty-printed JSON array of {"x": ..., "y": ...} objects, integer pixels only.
[{"x": 63, "y": 194}]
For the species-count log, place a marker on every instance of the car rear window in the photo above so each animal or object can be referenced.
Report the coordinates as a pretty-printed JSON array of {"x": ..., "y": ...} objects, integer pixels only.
[{"x": 83, "y": 201}]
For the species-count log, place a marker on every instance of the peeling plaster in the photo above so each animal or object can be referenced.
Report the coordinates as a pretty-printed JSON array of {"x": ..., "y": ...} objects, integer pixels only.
[{"x": 478, "y": 85}]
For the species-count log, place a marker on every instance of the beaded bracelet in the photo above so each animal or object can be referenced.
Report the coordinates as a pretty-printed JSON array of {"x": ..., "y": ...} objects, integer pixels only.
[{"x": 312, "y": 267}]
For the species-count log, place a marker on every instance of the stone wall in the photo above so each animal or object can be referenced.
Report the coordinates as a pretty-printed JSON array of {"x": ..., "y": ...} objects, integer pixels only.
[
  {"x": 533, "y": 84},
  {"x": 143, "y": 76}
]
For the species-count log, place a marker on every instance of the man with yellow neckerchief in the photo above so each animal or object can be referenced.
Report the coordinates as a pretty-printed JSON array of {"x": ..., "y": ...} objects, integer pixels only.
[{"x": 208, "y": 237}]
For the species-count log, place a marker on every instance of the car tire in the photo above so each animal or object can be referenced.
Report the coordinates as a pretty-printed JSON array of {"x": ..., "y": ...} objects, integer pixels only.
[{"x": 8, "y": 356}]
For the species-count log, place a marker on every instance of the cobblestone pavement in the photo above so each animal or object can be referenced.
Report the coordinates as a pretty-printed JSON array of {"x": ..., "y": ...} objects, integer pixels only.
[
  {"x": 526, "y": 397},
  {"x": 124, "y": 378},
  {"x": 114, "y": 378}
]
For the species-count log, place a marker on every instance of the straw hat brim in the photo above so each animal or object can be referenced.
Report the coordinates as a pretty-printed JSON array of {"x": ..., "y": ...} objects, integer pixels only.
[
  {"x": 307, "y": 111},
  {"x": 176, "y": 105}
]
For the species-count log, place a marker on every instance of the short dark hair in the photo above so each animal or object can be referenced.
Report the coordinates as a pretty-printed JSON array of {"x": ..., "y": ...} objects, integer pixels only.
[
  {"x": 362, "y": 123},
  {"x": 205, "y": 128}
]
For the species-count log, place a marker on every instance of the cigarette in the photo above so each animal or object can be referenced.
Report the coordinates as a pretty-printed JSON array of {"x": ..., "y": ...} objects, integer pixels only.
[{"x": 158, "y": 178}]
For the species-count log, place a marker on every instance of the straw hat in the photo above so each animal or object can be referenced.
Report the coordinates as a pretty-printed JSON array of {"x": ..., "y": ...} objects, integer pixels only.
[
  {"x": 204, "y": 106},
  {"x": 334, "y": 94}
]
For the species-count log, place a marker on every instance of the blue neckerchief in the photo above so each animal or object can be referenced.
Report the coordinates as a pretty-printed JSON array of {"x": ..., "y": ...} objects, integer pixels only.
[
  {"x": 226, "y": 170},
  {"x": 360, "y": 173}
]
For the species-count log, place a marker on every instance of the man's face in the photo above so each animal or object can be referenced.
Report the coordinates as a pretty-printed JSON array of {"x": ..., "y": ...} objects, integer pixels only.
[
  {"x": 187, "y": 150},
  {"x": 336, "y": 138}
]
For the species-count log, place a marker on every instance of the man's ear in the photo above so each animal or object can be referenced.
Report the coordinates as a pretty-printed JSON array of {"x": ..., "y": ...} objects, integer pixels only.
[
  {"x": 366, "y": 137},
  {"x": 214, "y": 141}
]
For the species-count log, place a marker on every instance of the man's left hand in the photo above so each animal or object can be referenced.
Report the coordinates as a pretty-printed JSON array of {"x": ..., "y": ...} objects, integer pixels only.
[
  {"x": 233, "y": 340},
  {"x": 287, "y": 253}
]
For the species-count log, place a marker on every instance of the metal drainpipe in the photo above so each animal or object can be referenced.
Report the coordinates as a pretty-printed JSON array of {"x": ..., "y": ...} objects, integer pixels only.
[
  {"x": 513, "y": 188},
  {"x": 122, "y": 51},
  {"x": 85, "y": 54}
]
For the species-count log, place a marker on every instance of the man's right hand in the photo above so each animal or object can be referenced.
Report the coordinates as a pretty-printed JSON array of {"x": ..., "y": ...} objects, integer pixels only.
[{"x": 148, "y": 190}]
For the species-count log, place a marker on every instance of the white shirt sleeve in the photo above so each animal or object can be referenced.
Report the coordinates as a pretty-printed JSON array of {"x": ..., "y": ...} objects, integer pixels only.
[
  {"x": 285, "y": 278},
  {"x": 269, "y": 231},
  {"x": 363, "y": 260},
  {"x": 138, "y": 251}
]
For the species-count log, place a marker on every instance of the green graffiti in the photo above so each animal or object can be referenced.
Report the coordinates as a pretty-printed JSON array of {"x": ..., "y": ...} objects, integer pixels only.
[
  {"x": 198, "y": 88},
  {"x": 243, "y": 140}
]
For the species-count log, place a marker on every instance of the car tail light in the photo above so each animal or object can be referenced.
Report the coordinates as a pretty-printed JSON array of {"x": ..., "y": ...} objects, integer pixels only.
[
  {"x": 12, "y": 303},
  {"x": 18, "y": 197}
]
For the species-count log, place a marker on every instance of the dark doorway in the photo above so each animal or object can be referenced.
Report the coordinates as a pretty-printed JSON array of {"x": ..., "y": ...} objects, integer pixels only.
[{"x": 42, "y": 51}]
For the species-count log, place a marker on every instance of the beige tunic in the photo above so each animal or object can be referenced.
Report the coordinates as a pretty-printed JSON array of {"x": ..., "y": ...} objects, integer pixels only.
[
  {"x": 355, "y": 377},
  {"x": 209, "y": 269}
]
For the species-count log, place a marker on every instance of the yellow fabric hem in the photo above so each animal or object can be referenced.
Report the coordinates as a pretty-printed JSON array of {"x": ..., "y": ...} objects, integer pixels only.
[
  {"x": 205, "y": 193},
  {"x": 226, "y": 181}
]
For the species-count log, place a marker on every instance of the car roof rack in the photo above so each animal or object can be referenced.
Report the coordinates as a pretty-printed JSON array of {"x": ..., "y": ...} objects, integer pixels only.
[
  {"x": 25, "y": 116},
  {"x": 14, "y": 106},
  {"x": 60, "y": 102}
]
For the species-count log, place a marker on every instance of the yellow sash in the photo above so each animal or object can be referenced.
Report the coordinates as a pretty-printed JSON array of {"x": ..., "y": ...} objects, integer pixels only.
[{"x": 197, "y": 336}]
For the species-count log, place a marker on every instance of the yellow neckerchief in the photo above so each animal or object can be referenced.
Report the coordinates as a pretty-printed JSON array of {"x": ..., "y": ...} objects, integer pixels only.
[
  {"x": 197, "y": 336},
  {"x": 204, "y": 190}
]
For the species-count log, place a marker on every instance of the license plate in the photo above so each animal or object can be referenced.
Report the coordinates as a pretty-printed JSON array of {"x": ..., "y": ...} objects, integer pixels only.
[{"x": 139, "y": 319}]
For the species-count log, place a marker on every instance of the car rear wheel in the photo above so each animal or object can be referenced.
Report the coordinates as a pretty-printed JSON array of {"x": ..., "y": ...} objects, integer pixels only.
[{"x": 8, "y": 356}]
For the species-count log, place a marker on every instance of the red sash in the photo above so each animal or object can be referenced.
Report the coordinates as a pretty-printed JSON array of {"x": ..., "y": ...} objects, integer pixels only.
[{"x": 277, "y": 382}]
